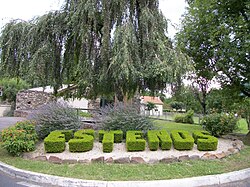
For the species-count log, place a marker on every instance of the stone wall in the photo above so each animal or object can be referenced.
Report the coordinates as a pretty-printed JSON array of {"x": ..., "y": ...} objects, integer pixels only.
[{"x": 31, "y": 100}]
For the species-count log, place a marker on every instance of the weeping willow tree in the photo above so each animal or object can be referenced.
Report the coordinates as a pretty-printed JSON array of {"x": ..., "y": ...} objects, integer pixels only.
[{"x": 102, "y": 47}]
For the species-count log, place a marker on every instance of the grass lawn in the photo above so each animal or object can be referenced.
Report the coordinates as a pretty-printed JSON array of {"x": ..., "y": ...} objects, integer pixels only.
[
  {"x": 170, "y": 125},
  {"x": 133, "y": 171}
]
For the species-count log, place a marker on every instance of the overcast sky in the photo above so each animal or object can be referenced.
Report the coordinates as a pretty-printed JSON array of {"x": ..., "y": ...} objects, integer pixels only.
[{"x": 27, "y": 9}]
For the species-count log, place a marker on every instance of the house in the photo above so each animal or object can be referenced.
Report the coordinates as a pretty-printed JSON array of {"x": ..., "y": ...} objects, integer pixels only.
[
  {"x": 31, "y": 99},
  {"x": 157, "y": 111}
]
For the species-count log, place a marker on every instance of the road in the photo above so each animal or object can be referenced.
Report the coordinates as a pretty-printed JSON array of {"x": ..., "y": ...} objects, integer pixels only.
[
  {"x": 8, "y": 121},
  {"x": 7, "y": 181}
]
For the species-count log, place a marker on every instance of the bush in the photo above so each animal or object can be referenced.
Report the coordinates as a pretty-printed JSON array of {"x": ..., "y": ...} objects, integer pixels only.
[
  {"x": 80, "y": 133},
  {"x": 118, "y": 135},
  {"x": 20, "y": 138},
  {"x": 177, "y": 105},
  {"x": 125, "y": 118},
  {"x": 159, "y": 138},
  {"x": 182, "y": 140},
  {"x": 11, "y": 87},
  {"x": 185, "y": 118},
  {"x": 134, "y": 141},
  {"x": 54, "y": 116},
  {"x": 108, "y": 142},
  {"x": 69, "y": 134},
  {"x": 54, "y": 142},
  {"x": 204, "y": 141},
  {"x": 219, "y": 123},
  {"x": 85, "y": 143}
]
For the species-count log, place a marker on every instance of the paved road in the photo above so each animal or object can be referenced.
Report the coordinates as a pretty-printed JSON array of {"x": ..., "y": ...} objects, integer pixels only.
[
  {"x": 8, "y": 121},
  {"x": 7, "y": 181},
  {"x": 242, "y": 183}
]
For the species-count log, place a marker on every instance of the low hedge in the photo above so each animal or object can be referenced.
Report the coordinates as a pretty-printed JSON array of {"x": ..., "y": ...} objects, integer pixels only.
[
  {"x": 69, "y": 134},
  {"x": 134, "y": 141},
  {"x": 80, "y": 133},
  {"x": 118, "y": 135},
  {"x": 82, "y": 144},
  {"x": 55, "y": 142},
  {"x": 182, "y": 140},
  {"x": 108, "y": 142},
  {"x": 204, "y": 141},
  {"x": 159, "y": 138}
]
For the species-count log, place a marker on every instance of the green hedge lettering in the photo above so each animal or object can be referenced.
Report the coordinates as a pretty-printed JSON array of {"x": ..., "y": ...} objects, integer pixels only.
[
  {"x": 158, "y": 138},
  {"x": 204, "y": 141},
  {"x": 134, "y": 141},
  {"x": 182, "y": 140}
]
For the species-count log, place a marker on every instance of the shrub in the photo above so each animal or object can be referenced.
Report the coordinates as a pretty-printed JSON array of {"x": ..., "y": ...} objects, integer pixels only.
[
  {"x": 177, "y": 105},
  {"x": 219, "y": 123},
  {"x": 54, "y": 116},
  {"x": 182, "y": 140},
  {"x": 124, "y": 117},
  {"x": 204, "y": 141},
  {"x": 185, "y": 118},
  {"x": 108, "y": 142},
  {"x": 80, "y": 133},
  {"x": 159, "y": 138},
  {"x": 118, "y": 135},
  {"x": 69, "y": 134},
  {"x": 20, "y": 138},
  {"x": 134, "y": 141},
  {"x": 11, "y": 88},
  {"x": 54, "y": 142},
  {"x": 83, "y": 144}
]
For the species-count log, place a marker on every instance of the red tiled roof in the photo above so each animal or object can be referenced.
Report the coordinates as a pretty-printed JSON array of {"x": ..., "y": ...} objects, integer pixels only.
[{"x": 155, "y": 100}]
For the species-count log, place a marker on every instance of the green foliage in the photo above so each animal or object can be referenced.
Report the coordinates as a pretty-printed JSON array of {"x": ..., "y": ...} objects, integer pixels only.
[
  {"x": 54, "y": 116},
  {"x": 134, "y": 141},
  {"x": 125, "y": 117},
  {"x": 204, "y": 141},
  {"x": 182, "y": 140},
  {"x": 69, "y": 134},
  {"x": 118, "y": 135},
  {"x": 84, "y": 114},
  {"x": 150, "y": 106},
  {"x": 158, "y": 139},
  {"x": 219, "y": 123},
  {"x": 64, "y": 46},
  {"x": 20, "y": 138},
  {"x": 80, "y": 133},
  {"x": 83, "y": 144},
  {"x": 54, "y": 142},
  {"x": 10, "y": 88},
  {"x": 214, "y": 33},
  {"x": 177, "y": 105},
  {"x": 108, "y": 142},
  {"x": 185, "y": 118}
]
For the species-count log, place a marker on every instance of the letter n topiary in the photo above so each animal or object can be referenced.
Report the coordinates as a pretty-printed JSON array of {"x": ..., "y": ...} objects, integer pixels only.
[
  {"x": 204, "y": 141},
  {"x": 134, "y": 141},
  {"x": 54, "y": 142},
  {"x": 158, "y": 138},
  {"x": 182, "y": 140}
]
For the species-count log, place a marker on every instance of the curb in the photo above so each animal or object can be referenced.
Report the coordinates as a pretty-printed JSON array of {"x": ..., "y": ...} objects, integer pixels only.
[{"x": 66, "y": 182}]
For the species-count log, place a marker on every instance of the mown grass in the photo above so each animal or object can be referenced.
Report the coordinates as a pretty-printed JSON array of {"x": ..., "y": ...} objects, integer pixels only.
[
  {"x": 160, "y": 171},
  {"x": 169, "y": 126}
]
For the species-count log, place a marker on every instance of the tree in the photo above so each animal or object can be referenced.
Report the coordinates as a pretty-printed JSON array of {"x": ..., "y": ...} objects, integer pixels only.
[
  {"x": 103, "y": 48},
  {"x": 216, "y": 34}
]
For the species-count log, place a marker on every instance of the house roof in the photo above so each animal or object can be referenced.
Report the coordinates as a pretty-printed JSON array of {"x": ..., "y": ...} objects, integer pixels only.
[{"x": 155, "y": 100}]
